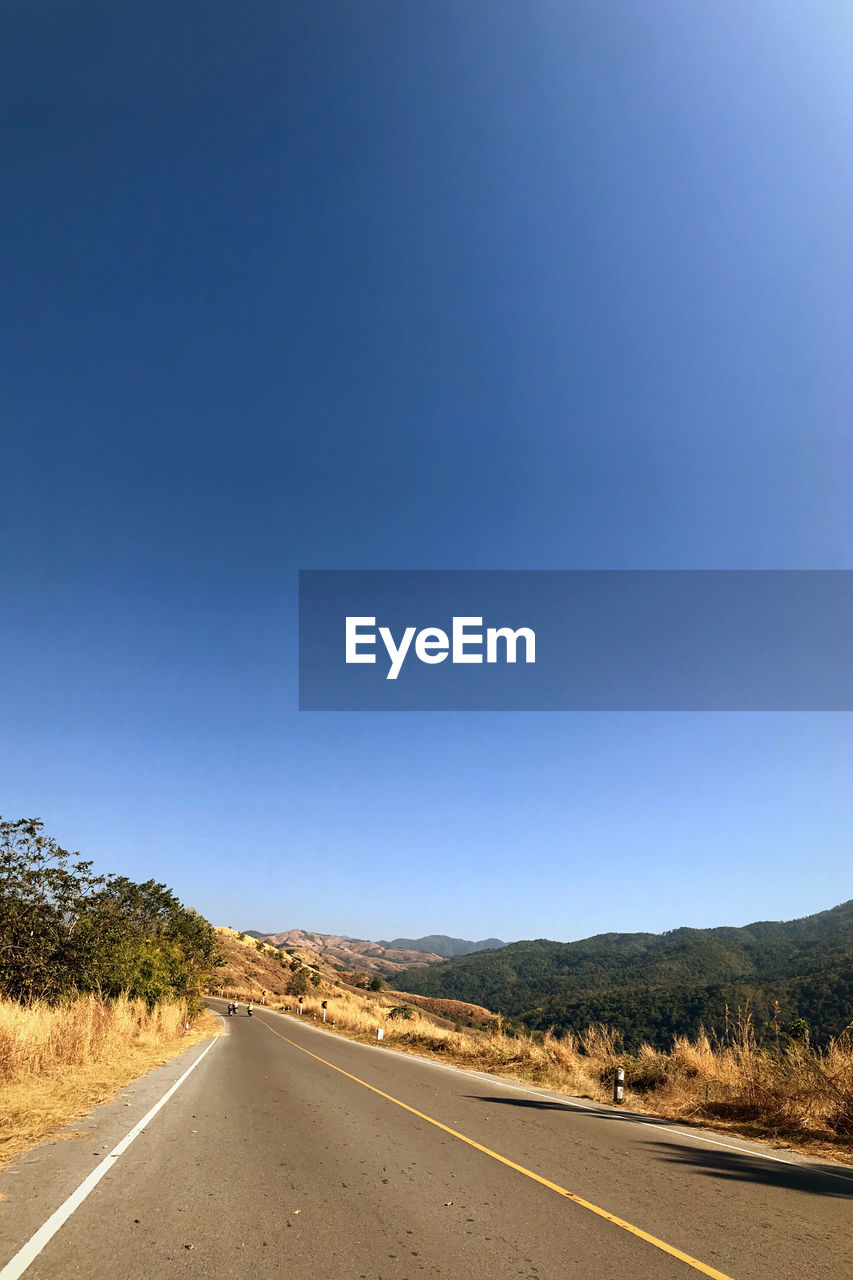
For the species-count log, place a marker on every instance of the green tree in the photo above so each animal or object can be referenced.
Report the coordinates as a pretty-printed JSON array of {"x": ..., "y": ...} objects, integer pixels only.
[{"x": 64, "y": 930}]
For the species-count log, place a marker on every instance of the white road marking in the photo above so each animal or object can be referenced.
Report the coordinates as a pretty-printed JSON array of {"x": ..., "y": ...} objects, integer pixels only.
[
  {"x": 687, "y": 1133},
  {"x": 28, "y": 1252}
]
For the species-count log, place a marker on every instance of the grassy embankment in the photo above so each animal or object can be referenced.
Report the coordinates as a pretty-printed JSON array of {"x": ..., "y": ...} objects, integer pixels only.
[
  {"x": 797, "y": 1096},
  {"x": 58, "y": 1061}
]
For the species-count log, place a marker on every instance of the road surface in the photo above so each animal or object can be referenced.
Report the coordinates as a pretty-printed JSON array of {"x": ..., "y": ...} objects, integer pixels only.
[{"x": 290, "y": 1152}]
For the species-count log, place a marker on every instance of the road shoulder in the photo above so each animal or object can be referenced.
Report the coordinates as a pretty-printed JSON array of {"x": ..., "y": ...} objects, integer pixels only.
[{"x": 36, "y": 1182}]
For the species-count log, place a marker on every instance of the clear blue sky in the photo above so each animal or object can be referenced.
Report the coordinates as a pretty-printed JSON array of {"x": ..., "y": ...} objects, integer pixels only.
[{"x": 422, "y": 285}]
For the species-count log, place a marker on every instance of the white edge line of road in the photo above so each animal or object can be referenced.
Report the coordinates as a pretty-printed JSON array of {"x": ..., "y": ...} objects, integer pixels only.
[
  {"x": 572, "y": 1105},
  {"x": 596, "y": 1108},
  {"x": 28, "y": 1252}
]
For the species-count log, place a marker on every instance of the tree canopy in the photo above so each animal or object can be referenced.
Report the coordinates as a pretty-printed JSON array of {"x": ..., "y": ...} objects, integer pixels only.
[{"x": 65, "y": 930}]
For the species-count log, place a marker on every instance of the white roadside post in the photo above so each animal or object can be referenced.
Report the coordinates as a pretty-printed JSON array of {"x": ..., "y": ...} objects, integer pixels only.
[
  {"x": 619, "y": 1084},
  {"x": 380, "y": 1032}
]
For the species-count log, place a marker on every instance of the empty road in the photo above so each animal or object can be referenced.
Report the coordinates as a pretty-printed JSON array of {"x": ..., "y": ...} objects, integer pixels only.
[{"x": 290, "y": 1152}]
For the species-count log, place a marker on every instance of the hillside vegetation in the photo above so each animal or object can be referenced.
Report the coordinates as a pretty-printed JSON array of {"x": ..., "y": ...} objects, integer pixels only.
[
  {"x": 248, "y": 966},
  {"x": 653, "y": 987}
]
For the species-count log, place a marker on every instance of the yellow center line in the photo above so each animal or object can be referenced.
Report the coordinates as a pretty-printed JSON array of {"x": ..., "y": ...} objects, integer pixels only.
[{"x": 519, "y": 1168}]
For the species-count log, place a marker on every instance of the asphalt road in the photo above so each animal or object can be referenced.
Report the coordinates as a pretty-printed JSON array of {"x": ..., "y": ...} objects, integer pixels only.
[{"x": 290, "y": 1152}]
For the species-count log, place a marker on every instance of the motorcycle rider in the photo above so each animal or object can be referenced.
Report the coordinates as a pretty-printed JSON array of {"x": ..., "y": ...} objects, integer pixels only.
[{"x": 249, "y": 1009}]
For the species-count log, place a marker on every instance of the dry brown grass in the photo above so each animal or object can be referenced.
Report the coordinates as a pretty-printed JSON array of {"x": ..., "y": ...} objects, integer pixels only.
[
  {"x": 453, "y": 1010},
  {"x": 57, "y": 1062},
  {"x": 796, "y": 1095}
]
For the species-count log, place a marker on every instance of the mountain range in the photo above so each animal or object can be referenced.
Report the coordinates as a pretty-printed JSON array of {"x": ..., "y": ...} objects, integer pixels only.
[
  {"x": 654, "y": 986},
  {"x": 352, "y": 954},
  {"x": 383, "y": 958},
  {"x": 441, "y": 945}
]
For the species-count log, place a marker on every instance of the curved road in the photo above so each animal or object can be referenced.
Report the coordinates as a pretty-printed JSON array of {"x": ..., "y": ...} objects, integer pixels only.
[{"x": 291, "y": 1152}]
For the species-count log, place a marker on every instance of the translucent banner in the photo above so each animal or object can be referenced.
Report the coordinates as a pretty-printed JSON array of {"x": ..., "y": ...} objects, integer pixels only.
[{"x": 575, "y": 640}]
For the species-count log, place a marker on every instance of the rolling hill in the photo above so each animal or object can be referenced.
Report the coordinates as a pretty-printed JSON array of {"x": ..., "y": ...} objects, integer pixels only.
[
  {"x": 249, "y": 966},
  {"x": 653, "y": 986},
  {"x": 352, "y": 954},
  {"x": 441, "y": 945}
]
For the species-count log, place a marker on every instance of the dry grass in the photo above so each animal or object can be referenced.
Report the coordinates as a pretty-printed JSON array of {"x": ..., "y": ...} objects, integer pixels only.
[
  {"x": 57, "y": 1062},
  {"x": 454, "y": 1010},
  {"x": 796, "y": 1095}
]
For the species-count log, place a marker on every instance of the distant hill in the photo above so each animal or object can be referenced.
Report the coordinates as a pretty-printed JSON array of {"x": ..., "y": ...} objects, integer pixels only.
[
  {"x": 385, "y": 958},
  {"x": 353, "y": 954},
  {"x": 654, "y": 986},
  {"x": 249, "y": 966},
  {"x": 439, "y": 944}
]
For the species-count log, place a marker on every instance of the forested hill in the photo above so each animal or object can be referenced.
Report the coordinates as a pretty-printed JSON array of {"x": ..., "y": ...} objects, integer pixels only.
[
  {"x": 441, "y": 945},
  {"x": 651, "y": 986}
]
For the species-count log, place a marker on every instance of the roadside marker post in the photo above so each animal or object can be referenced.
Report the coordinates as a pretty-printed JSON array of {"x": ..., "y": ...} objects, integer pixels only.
[
  {"x": 380, "y": 1032},
  {"x": 619, "y": 1084}
]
